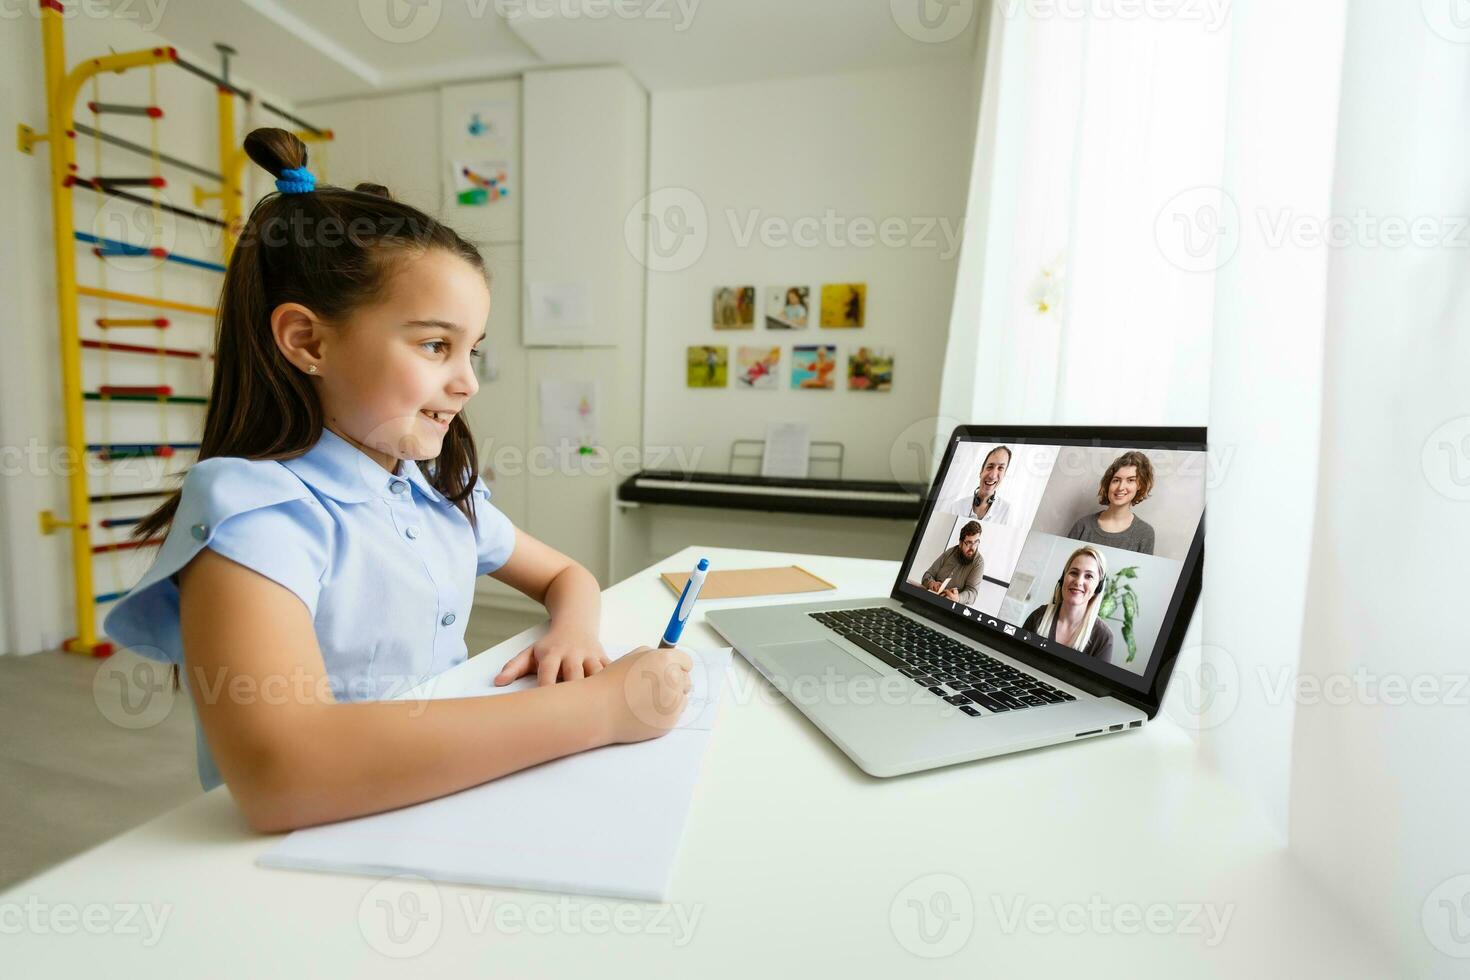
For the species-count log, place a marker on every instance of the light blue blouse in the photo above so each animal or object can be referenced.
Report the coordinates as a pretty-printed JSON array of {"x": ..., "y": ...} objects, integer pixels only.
[{"x": 385, "y": 564}]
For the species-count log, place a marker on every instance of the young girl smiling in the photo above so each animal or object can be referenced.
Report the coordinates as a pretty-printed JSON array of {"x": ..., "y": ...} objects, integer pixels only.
[{"x": 313, "y": 568}]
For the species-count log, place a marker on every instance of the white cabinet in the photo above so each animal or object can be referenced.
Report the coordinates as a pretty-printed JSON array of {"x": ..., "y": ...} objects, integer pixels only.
[
  {"x": 585, "y": 139},
  {"x": 586, "y": 163}
]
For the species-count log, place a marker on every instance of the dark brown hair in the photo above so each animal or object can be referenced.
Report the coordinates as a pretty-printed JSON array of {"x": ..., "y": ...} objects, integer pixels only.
[
  {"x": 997, "y": 449},
  {"x": 973, "y": 527},
  {"x": 332, "y": 250},
  {"x": 1145, "y": 469}
]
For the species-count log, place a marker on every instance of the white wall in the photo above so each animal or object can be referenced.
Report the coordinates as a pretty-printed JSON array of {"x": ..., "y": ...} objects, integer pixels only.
[
  {"x": 36, "y": 569},
  {"x": 872, "y": 145}
]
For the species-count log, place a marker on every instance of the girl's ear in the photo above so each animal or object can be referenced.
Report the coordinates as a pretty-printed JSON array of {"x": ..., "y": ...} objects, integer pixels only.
[{"x": 299, "y": 336}]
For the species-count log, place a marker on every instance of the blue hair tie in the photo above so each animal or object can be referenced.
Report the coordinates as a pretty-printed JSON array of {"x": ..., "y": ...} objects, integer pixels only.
[{"x": 296, "y": 180}]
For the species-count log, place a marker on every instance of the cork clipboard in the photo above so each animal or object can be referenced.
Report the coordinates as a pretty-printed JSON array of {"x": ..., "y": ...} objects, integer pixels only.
[{"x": 738, "y": 583}]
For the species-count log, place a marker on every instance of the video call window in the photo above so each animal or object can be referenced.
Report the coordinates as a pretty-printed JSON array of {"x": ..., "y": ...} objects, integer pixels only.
[{"x": 1080, "y": 547}]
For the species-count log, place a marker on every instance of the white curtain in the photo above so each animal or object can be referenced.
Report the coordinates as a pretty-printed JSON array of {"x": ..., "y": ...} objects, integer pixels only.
[
  {"x": 1265, "y": 409},
  {"x": 1076, "y": 300},
  {"x": 1067, "y": 307},
  {"x": 1380, "y": 806},
  {"x": 1309, "y": 196}
]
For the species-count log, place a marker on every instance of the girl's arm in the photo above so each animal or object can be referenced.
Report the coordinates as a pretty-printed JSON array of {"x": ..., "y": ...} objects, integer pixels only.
[
  {"x": 292, "y": 756},
  {"x": 570, "y": 649}
]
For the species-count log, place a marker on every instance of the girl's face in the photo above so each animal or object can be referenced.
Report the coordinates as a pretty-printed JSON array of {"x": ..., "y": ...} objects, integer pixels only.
[
  {"x": 1123, "y": 487},
  {"x": 1080, "y": 582},
  {"x": 411, "y": 354}
]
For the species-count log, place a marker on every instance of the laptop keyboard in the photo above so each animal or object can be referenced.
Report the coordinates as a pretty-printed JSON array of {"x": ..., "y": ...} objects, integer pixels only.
[{"x": 962, "y": 675}]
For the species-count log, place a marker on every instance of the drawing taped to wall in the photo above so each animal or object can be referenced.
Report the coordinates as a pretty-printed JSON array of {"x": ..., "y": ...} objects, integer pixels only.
[
  {"x": 480, "y": 182},
  {"x": 734, "y": 308},
  {"x": 491, "y": 120},
  {"x": 758, "y": 367},
  {"x": 812, "y": 366},
  {"x": 844, "y": 304},
  {"x": 787, "y": 307},
  {"x": 708, "y": 366},
  {"x": 870, "y": 369}
]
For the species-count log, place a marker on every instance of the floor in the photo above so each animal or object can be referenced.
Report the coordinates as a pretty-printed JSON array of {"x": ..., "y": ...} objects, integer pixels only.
[{"x": 81, "y": 765}]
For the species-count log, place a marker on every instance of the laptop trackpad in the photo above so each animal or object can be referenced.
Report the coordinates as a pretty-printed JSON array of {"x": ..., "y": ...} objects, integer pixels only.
[{"x": 814, "y": 658}]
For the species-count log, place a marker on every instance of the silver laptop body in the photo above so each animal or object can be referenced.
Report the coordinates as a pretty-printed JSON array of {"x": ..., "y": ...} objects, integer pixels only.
[{"x": 853, "y": 667}]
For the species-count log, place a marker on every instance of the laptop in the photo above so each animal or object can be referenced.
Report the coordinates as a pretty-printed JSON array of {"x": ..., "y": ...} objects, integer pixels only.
[{"x": 1043, "y": 600}]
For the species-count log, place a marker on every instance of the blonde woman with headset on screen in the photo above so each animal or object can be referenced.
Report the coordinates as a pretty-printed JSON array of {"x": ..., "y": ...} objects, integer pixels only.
[{"x": 1073, "y": 610}]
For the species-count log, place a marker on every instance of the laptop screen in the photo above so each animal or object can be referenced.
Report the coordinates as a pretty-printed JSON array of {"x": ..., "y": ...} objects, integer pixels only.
[{"x": 1079, "y": 548}]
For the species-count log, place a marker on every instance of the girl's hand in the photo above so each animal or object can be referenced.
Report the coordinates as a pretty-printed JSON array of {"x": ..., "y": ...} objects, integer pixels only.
[
  {"x": 566, "y": 655},
  {"x": 644, "y": 693}
]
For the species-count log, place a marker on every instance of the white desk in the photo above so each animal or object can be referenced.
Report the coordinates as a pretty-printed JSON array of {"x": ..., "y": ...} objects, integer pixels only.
[{"x": 794, "y": 862}]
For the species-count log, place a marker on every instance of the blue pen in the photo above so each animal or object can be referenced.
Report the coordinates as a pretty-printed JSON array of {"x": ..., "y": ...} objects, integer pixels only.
[{"x": 685, "y": 607}]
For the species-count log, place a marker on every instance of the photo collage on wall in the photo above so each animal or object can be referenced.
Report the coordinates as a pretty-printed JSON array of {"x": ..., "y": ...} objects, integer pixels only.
[{"x": 767, "y": 366}]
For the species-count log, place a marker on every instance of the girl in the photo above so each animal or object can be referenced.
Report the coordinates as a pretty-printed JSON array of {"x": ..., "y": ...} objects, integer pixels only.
[
  {"x": 1071, "y": 618},
  {"x": 312, "y": 568}
]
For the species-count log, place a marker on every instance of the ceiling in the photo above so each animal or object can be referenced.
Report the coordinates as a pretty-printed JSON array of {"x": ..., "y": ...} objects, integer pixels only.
[{"x": 309, "y": 52}]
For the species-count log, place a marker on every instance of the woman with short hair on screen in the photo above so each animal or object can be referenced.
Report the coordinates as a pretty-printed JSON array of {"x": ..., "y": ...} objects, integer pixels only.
[
  {"x": 983, "y": 504},
  {"x": 1071, "y": 618},
  {"x": 1127, "y": 483}
]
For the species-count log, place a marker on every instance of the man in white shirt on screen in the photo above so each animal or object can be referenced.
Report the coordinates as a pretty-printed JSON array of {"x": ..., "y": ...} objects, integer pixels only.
[{"x": 983, "y": 504}]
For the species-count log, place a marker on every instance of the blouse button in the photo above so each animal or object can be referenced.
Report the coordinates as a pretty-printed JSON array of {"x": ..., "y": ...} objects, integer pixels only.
[
  {"x": 397, "y": 486},
  {"x": 200, "y": 531},
  {"x": 448, "y": 619},
  {"x": 411, "y": 531}
]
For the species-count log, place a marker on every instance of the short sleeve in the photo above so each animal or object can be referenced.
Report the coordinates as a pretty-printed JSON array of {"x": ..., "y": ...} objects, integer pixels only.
[
  {"x": 254, "y": 512},
  {"x": 495, "y": 535}
]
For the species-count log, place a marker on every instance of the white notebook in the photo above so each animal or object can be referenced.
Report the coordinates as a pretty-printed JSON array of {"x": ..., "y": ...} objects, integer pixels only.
[{"x": 606, "y": 822}]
